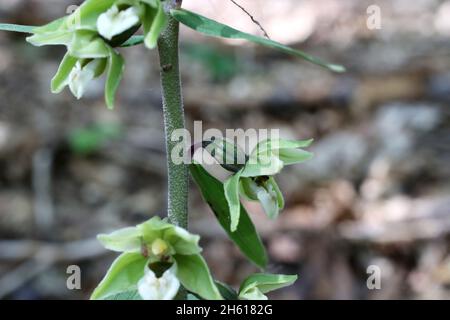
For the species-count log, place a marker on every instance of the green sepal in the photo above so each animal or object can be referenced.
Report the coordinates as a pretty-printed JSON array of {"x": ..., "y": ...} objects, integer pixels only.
[{"x": 122, "y": 276}]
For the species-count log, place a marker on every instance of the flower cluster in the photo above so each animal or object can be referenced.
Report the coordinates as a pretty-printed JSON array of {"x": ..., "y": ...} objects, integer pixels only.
[
  {"x": 91, "y": 34},
  {"x": 254, "y": 178}
]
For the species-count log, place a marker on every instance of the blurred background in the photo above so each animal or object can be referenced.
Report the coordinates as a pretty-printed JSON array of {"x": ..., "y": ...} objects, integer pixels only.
[{"x": 376, "y": 193}]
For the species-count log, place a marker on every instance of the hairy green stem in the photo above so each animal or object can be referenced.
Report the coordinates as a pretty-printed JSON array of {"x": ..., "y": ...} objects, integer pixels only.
[{"x": 173, "y": 119}]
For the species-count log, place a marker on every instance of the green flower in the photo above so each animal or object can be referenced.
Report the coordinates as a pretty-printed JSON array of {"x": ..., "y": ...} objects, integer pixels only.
[
  {"x": 253, "y": 178},
  {"x": 90, "y": 35},
  {"x": 157, "y": 238},
  {"x": 255, "y": 286},
  {"x": 156, "y": 257}
]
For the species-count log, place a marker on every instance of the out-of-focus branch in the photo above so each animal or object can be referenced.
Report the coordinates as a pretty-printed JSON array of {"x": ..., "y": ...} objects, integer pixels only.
[
  {"x": 14, "y": 250},
  {"x": 39, "y": 256}
]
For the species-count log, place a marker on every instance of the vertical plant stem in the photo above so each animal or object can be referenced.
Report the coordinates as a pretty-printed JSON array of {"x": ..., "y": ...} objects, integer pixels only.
[{"x": 173, "y": 120}]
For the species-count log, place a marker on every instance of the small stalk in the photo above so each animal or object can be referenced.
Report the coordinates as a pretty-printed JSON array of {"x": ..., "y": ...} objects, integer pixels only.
[{"x": 178, "y": 175}]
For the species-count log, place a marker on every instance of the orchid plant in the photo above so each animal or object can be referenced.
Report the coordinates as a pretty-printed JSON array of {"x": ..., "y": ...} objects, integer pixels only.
[{"x": 159, "y": 259}]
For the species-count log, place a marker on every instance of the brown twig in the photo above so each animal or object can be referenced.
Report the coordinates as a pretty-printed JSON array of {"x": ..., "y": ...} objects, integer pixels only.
[{"x": 251, "y": 17}]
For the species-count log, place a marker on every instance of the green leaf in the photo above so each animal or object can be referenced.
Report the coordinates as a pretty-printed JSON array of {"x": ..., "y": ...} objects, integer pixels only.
[
  {"x": 157, "y": 24},
  {"x": 116, "y": 66},
  {"x": 231, "y": 189},
  {"x": 245, "y": 236},
  {"x": 60, "y": 80},
  {"x": 122, "y": 276},
  {"x": 213, "y": 28},
  {"x": 257, "y": 284},
  {"x": 194, "y": 275},
  {"x": 16, "y": 28}
]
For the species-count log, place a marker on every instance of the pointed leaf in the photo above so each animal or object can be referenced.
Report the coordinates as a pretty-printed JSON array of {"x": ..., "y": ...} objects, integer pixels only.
[
  {"x": 245, "y": 236},
  {"x": 213, "y": 28}
]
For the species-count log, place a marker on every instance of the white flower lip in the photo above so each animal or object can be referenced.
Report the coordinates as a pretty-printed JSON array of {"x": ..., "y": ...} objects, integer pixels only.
[
  {"x": 113, "y": 22},
  {"x": 80, "y": 77},
  {"x": 164, "y": 288}
]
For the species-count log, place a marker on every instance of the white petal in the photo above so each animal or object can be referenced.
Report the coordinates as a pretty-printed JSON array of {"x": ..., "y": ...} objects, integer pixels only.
[
  {"x": 164, "y": 288},
  {"x": 114, "y": 22},
  {"x": 172, "y": 284},
  {"x": 80, "y": 77}
]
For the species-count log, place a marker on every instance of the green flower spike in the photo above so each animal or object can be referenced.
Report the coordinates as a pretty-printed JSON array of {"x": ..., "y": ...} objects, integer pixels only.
[
  {"x": 156, "y": 257},
  {"x": 254, "y": 179}
]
